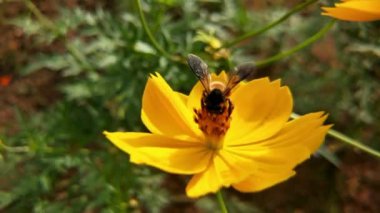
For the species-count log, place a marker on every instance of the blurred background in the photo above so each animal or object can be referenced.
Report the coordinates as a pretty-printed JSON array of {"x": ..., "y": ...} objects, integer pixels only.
[{"x": 70, "y": 69}]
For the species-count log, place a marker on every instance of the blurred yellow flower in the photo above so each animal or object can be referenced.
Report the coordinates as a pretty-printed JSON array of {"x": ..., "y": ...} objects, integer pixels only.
[
  {"x": 208, "y": 38},
  {"x": 214, "y": 45},
  {"x": 355, "y": 10},
  {"x": 259, "y": 148}
]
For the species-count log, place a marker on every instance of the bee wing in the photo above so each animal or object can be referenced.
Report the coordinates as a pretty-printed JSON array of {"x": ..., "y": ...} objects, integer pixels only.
[
  {"x": 240, "y": 73},
  {"x": 199, "y": 68}
]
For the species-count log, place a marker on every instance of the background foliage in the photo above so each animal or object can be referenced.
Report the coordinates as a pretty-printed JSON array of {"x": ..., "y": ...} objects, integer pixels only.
[{"x": 58, "y": 159}]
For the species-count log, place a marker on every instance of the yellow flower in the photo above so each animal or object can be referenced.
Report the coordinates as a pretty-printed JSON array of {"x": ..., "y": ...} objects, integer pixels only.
[
  {"x": 355, "y": 10},
  {"x": 214, "y": 45},
  {"x": 208, "y": 38},
  {"x": 259, "y": 149}
]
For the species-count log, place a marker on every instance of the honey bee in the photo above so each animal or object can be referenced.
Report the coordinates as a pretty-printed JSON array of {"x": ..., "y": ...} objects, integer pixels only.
[
  {"x": 216, "y": 94},
  {"x": 216, "y": 107}
]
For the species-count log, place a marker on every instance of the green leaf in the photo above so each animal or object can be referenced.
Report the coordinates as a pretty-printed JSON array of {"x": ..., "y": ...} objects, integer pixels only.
[
  {"x": 76, "y": 91},
  {"x": 328, "y": 155},
  {"x": 143, "y": 47},
  {"x": 27, "y": 24},
  {"x": 5, "y": 199},
  {"x": 365, "y": 48},
  {"x": 52, "y": 62}
]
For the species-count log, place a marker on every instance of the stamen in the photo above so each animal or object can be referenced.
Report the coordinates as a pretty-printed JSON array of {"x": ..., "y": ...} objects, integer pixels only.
[{"x": 214, "y": 125}]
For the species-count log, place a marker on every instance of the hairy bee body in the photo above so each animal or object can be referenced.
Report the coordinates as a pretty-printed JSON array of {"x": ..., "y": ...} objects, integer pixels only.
[
  {"x": 214, "y": 116},
  {"x": 214, "y": 102}
]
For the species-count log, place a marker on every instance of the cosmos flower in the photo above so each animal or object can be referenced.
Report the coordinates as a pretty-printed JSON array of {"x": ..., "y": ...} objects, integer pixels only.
[
  {"x": 354, "y": 10},
  {"x": 254, "y": 148}
]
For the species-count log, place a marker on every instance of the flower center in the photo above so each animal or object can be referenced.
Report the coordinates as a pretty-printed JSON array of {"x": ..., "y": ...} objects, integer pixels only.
[{"x": 214, "y": 117}]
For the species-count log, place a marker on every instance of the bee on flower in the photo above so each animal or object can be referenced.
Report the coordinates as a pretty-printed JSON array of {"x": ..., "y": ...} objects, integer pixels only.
[{"x": 227, "y": 132}]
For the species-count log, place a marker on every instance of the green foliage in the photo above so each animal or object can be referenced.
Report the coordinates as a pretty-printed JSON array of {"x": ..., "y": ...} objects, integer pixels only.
[{"x": 59, "y": 161}]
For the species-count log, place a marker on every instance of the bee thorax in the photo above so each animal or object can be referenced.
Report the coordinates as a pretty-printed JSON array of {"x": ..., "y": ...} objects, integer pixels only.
[
  {"x": 214, "y": 117},
  {"x": 217, "y": 85},
  {"x": 214, "y": 102}
]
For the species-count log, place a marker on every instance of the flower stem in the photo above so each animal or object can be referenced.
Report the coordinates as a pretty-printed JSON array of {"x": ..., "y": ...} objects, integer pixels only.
[
  {"x": 344, "y": 138},
  {"x": 300, "y": 46},
  {"x": 270, "y": 25},
  {"x": 150, "y": 35},
  {"x": 222, "y": 205},
  {"x": 353, "y": 142}
]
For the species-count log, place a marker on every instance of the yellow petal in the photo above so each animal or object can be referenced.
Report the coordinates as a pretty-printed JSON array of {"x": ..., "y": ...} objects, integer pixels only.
[
  {"x": 164, "y": 112},
  {"x": 369, "y": 6},
  {"x": 226, "y": 168},
  {"x": 233, "y": 168},
  {"x": 359, "y": 10},
  {"x": 222, "y": 77},
  {"x": 168, "y": 154},
  {"x": 195, "y": 96},
  {"x": 261, "y": 110},
  {"x": 307, "y": 130},
  {"x": 206, "y": 182},
  {"x": 292, "y": 145},
  {"x": 184, "y": 98},
  {"x": 261, "y": 181}
]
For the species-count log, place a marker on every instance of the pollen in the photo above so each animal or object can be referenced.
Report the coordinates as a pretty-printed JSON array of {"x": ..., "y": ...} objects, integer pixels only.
[{"x": 214, "y": 125}]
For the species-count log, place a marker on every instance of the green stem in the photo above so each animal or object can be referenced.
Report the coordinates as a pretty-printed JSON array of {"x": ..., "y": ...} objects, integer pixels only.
[
  {"x": 16, "y": 149},
  {"x": 222, "y": 205},
  {"x": 300, "y": 46},
  {"x": 353, "y": 142},
  {"x": 150, "y": 35},
  {"x": 270, "y": 25},
  {"x": 344, "y": 138}
]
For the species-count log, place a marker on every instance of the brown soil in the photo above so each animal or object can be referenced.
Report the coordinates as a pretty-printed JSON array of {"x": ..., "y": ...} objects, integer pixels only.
[
  {"x": 36, "y": 91},
  {"x": 27, "y": 94}
]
